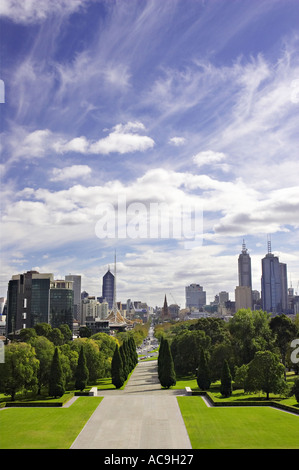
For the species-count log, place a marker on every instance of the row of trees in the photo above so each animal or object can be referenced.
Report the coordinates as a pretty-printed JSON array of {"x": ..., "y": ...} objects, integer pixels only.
[
  {"x": 29, "y": 361},
  {"x": 264, "y": 373},
  {"x": 252, "y": 349},
  {"x": 124, "y": 360}
]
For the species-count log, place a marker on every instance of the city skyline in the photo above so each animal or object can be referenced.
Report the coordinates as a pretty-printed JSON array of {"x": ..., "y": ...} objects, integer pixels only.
[
  {"x": 106, "y": 285},
  {"x": 152, "y": 102}
]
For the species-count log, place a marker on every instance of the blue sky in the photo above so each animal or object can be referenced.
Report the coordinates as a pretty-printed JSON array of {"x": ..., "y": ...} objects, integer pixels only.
[{"x": 185, "y": 103}]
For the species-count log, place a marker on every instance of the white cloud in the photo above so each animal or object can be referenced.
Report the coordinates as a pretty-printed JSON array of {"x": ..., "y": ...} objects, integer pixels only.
[
  {"x": 177, "y": 141},
  {"x": 208, "y": 157},
  {"x": 35, "y": 11},
  {"x": 70, "y": 172},
  {"x": 121, "y": 142},
  {"x": 122, "y": 139}
]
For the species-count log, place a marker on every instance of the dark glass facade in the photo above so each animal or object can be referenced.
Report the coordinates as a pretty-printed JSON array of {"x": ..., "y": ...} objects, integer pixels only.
[
  {"x": 40, "y": 298},
  {"x": 61, "y": 307},
  {"x": 108, "y": 288}
]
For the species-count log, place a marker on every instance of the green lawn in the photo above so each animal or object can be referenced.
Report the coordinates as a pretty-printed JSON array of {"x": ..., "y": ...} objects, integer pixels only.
[
  {"x": 45, "y": 428},
  {"x": 238, "y": 428}
]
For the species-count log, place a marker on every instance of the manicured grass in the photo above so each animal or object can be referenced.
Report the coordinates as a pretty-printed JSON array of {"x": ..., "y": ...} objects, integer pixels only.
[
  {"x": 45, "y": 428},
  {"x": 238, "y": 428}
]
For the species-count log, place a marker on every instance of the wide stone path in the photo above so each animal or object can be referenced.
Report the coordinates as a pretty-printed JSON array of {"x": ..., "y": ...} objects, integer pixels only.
[{"x": 140, "y": 417}]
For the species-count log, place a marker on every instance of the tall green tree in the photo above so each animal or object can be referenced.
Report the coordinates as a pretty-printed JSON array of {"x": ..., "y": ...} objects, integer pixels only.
[
  {"x": 203, "y": 372},
  {"x": 44, "y": 350},
  {"x": 81, "y": 374},
  {"x": 56, "y": 379},
  {"x": 19, "y": 371},
  {"x": 226, "y": 381},
  {"x": 126, "y": 360},
  {"x": 185, "y": 350},
  {"x": 250, "y": 331},
  {"x": 266, "y": 373},
  {"x": 117, "y": 373},
  {"x": 167, "y": 374}
]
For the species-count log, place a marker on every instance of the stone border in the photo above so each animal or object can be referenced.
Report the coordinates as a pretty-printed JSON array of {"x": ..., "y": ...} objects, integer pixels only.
[{"x": 208, "y": 399}]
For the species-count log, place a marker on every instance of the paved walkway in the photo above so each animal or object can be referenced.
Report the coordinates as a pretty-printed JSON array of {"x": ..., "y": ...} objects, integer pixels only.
[{"x": 143, "y": 416}]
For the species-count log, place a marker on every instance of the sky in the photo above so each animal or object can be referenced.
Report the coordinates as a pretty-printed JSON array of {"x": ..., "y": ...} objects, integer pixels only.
[{"x": 160, "y": 132}]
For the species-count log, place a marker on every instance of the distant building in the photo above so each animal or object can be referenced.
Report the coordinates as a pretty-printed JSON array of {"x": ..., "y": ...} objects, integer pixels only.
[
  {"x": 274, "y": 284},
  {"x": 108, "y": 288},
  {"x": 61, "y": 304},
  {"x": 92, "y": 308},
  {"x": 223, "y": 297},
  {"x": 34, "y": 297},
  {"x": 243, "y": 292},
  {"x": 165, "y": 312},
  {"x": 195, "y": 296},
  {"x": 76, "y": 280},
  {"x": 244, "y": 267},
  {"x": 28, "y": 300},
  {"x": 243, "y": 297}
]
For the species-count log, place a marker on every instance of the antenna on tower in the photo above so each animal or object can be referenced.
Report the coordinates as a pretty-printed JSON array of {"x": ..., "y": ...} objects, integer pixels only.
[
  {"x": 114, "y": 289},
  {"x": 269, "y": 243},
  {"x": 244, "y": 249}
]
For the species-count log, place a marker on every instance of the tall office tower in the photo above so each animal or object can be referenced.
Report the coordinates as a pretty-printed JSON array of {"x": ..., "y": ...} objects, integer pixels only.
[
  {"x": 273, "y": 283},
  {"x": 77, "y": 293},
  {"x": 108, "y": 288},
  {"x": 61, "y": 304},
  {"x": 28, "y": 300},
  {"x": 195, "y": 296},
  {"x": 244, "y": 265},
  {"x": 243, "y": 292}
]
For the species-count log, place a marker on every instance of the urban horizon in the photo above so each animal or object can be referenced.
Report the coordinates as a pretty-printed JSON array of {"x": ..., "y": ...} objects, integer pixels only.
[{"x": 172, "y": 295}]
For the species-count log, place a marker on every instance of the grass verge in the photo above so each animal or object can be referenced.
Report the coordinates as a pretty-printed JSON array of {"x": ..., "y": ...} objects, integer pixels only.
[
  {"x": 45, "y": 428},
  {"x": 238, "y": 428}
]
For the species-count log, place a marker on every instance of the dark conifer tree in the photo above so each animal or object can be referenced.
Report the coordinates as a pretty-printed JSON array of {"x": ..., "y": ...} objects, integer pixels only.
[
  {"x": 132, "y": 346},
  {"x": 56, "y": 379},
  {"x": 125, "y": 360},
  {"x": 203, "y": 373},
  {"x": 81, "y": 374},
  {"x": 167, "y": 375},
  {"x": 117, "y": 369},
  {"x": 226, "y": 381}
]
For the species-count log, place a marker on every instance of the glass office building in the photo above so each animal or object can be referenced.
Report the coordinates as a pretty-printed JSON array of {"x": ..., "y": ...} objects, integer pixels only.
[{"x": 61, "y": 304}]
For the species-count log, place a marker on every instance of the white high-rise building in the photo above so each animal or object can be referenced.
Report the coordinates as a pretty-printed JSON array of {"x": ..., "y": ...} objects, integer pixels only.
[{"x": 195, "y": 296}]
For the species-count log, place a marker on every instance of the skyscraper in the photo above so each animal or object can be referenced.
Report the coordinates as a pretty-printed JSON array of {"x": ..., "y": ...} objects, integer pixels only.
[
  {"x": 34, "y": 298},
  {"x": 274, "y": 283},
  {"x": 28, "y": 300},
  {"x": 61, "y": 304},
  {"x": 77, "y": 293},
  {"x": 108, "y": 288},
  {"x": 244, "y": 265},
  {"x": 243, "y": 292}
]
